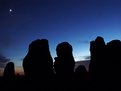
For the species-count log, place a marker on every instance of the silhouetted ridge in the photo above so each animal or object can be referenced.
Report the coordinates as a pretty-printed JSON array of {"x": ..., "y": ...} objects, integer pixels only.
[{"x": 104, "y": 71}]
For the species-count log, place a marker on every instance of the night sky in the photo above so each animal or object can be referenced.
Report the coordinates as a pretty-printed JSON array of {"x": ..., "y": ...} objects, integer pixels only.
[{"x": 75, "y": 21}]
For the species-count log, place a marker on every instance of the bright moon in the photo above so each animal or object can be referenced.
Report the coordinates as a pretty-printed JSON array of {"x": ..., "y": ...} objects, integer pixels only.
[{"x": 10, "y": 10}]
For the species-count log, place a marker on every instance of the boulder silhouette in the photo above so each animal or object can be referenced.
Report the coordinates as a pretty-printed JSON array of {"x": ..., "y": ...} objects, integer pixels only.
[
  {"x": 114, "y": 64},
  {"x": 81, "y": 72},
  {"x": 64, "y": 62},
  {"x": 97, "y": 51},
  {"x": 97, "y": 68},
  {"x": 9, "y": 77},
  {"x": 64, "y": 66},
  {"x": 9, "y": 71},
  {"x": 38, "y": 63},
  {"x": 81, "y": 78}
]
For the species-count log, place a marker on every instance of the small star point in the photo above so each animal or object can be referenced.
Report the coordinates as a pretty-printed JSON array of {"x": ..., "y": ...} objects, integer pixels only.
[{"x": 10, "y": 10}]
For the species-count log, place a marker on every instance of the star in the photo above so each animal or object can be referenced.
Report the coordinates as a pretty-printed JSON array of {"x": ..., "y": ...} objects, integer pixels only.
[{"x": 10, "y": 10}]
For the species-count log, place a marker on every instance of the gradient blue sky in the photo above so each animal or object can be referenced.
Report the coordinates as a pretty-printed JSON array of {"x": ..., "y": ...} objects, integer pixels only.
[{"x": 75, "y": 21}]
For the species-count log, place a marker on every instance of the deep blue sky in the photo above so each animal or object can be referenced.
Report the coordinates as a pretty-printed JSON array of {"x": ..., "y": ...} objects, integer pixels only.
[{"x": 75, "y": 21}]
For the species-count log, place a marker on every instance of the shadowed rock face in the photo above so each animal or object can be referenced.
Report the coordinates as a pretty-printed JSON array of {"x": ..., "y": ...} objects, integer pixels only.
[
  {"x": 114, "y": 57},
  {"x": 64, "y": 62},
  {"x": 80, "y": 70},
  {"x": 105, "y": 64},
  {"x": 9, "y": 71},
  {"x": 38, "y": 61},
  {"x": 97, "y": 48},
  {"x": 114, "y": 49},
  {"x": 81, "y": 77},
  {"x": 64, "y": 66},
  {"x": 98, "y": 53},
  {"x": 64, "y": 49},
  {"x": 97, "y": 66}
]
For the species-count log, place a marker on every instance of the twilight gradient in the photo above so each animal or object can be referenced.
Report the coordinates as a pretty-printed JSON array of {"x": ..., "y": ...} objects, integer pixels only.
[{"x": 75, "y": 21}]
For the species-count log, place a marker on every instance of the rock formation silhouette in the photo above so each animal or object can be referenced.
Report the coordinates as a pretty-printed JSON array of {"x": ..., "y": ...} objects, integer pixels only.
[
  {"x": 9, "y": 71},
  {"x": 97, "y": 51},
  {"x": 64, "y": 65},
  {"x": 81, "y": 78},
  {"x": 9, "y": 77},
  {"x": 97, "y": 66},
  {"x": 41, "y": 74},
  {"x": 113, "y": 76},
  {"x": 38, "y": 63}
]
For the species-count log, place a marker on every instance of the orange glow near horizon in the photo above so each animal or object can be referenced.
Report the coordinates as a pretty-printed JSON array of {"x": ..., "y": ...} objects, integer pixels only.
[{"x": 19, "y": 70}]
